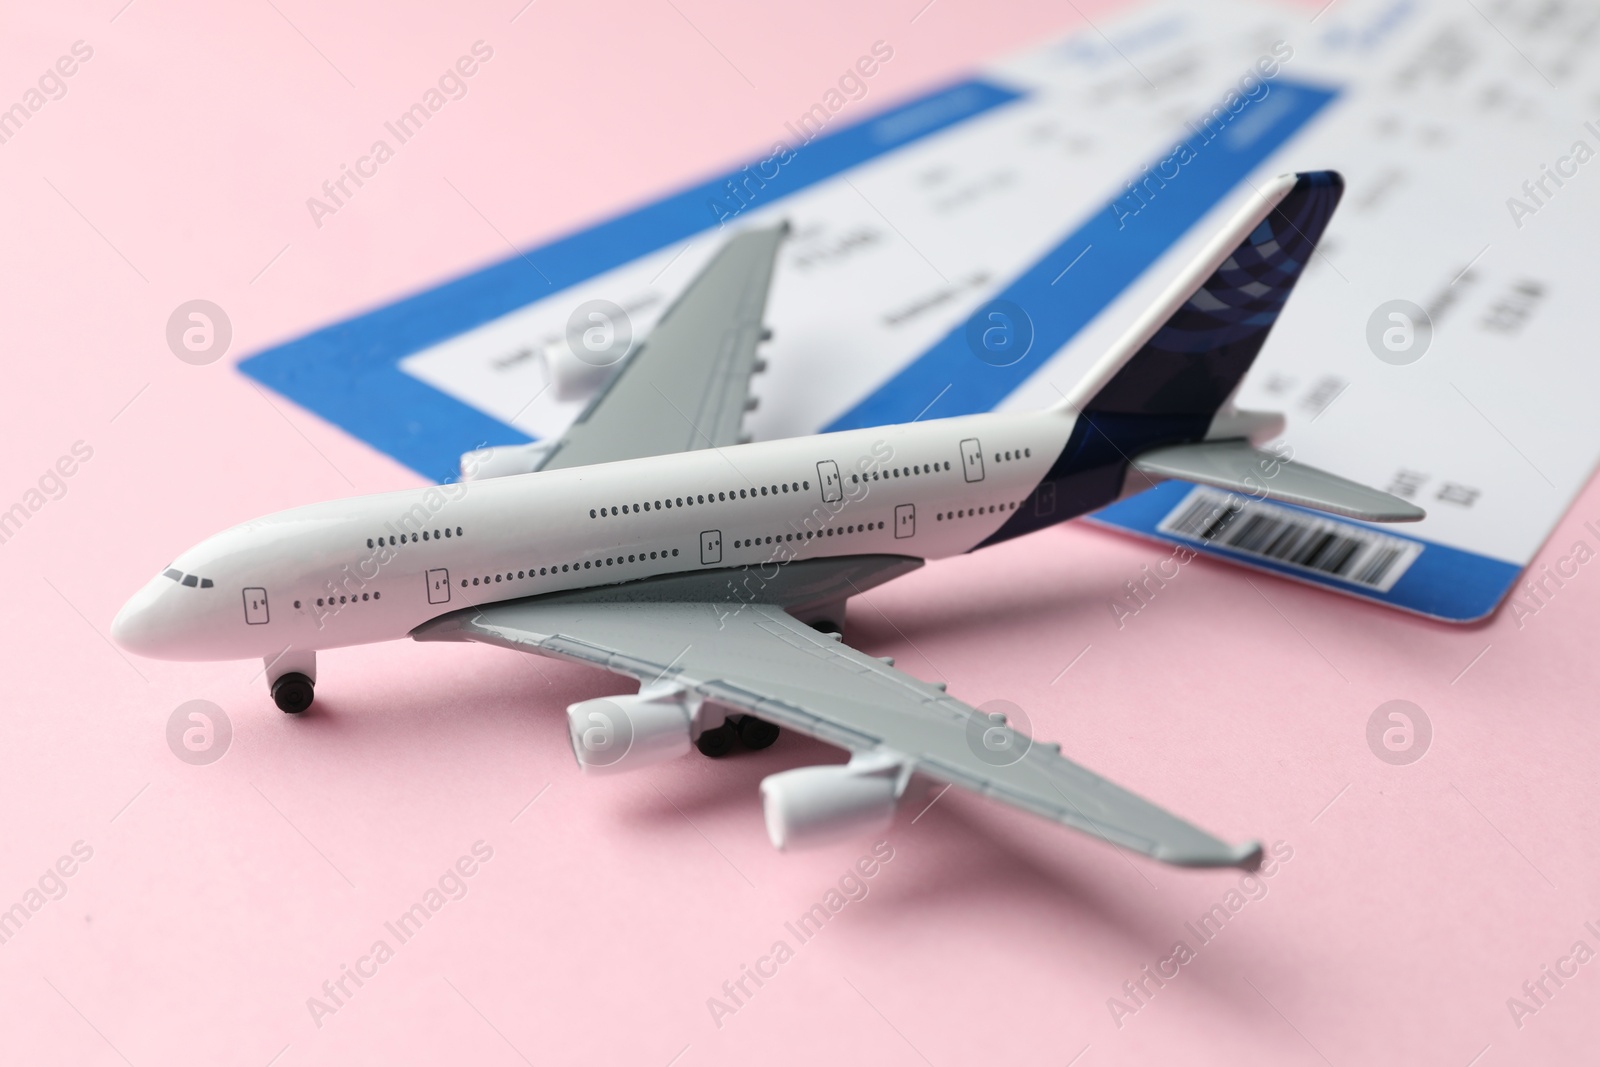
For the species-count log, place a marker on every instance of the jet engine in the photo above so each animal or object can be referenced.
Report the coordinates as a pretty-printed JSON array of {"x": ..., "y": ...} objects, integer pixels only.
[
  {"x": 621, "y": 733},
  {"x": 573, "y": 377},
  {"x": 820, "y": 805},
  {"x": 503, "y": 460}
]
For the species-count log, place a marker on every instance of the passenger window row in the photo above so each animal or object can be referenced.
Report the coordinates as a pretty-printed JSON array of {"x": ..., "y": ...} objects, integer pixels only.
[
  {"x": 705, "y": 498},
  {"x": 188, "y": 580},
  {"x": 901, "y": 472},
  {"x": 967, "y": 513},
  {"x": 1020, "y": 453},
  {"x": 807, "y": 535},
  {"x": 609, "y": 561},
  {"x": 438, "y": 535},
  {"x": 334, "y": 602}
]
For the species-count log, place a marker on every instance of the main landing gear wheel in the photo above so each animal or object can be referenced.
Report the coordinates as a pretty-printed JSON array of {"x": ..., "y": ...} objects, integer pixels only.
[
  {"x": 717, "y": 742},
  {"x": 757, "y": 734},
  {"x": 292, "y": 693}
]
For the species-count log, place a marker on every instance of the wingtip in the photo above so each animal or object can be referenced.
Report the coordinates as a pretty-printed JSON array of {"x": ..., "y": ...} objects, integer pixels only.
[{"x": 1246, "y": 857}]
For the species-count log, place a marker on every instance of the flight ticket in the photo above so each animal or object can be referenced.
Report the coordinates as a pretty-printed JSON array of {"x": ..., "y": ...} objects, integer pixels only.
[{"x": 1433, "y": 348}]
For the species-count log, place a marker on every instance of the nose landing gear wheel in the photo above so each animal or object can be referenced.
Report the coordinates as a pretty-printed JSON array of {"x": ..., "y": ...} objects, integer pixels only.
[
  {"x": 717, "y": 742},
  {"x": 757, "y": 734},
  {"x": 292, "y": 693}
]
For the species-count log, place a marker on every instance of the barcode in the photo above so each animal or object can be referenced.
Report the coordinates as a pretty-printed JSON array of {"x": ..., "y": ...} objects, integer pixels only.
[{"x": 1343, "y": 550}]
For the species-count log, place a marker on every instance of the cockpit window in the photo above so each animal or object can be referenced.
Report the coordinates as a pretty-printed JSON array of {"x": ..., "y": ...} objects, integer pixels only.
[
  {"x": 189, "y": 580},
  {"x": 175, "y": 575}
]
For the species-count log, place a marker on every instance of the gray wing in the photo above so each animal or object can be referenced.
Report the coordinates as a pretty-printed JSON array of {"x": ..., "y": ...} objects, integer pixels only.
[
  {"x": 686, "y": 387},
  {"x": 1235, "y": 465},
  {"x": 758, "y": 659}
]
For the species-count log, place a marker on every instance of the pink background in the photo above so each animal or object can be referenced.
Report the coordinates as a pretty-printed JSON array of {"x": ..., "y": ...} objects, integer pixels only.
[{"x": 219, "y": 898}]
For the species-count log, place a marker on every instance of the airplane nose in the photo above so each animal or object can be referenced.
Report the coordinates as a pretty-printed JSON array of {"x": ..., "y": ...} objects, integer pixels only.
[{"x": 138, "y": 626}]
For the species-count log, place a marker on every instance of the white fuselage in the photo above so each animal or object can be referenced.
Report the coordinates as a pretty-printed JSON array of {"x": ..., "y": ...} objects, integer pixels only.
[{"x": 373, "y": 568}]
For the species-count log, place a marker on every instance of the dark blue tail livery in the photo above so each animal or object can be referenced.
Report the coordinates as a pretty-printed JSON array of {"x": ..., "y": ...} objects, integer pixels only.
[
  {"x": 1196, "y": 359},
  {"x": 1168, "y": 390}
]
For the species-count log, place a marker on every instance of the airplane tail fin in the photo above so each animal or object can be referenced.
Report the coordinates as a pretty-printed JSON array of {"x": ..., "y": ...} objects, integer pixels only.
[
  {"x": 1163, "y": 394},
  {"x": 1183, "y": 358},
  {"x": 1161, "y": 400}
]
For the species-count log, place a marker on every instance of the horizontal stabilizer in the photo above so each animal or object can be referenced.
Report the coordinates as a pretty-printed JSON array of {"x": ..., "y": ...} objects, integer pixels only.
[{"x": 1236, "y": 466}]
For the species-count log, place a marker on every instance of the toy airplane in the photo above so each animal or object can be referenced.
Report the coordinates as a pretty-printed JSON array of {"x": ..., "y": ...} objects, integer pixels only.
[{"x": 650, "y": 542}]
